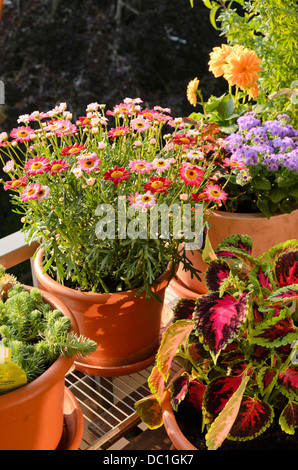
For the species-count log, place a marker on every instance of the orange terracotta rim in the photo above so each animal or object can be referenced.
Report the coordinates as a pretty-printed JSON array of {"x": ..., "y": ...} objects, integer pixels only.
[
  {"x": 244, "y": 216},
  {"x": 74, "y": 423}
]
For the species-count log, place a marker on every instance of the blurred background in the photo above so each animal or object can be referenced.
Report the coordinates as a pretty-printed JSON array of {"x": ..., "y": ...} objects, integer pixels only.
[{"x": 79, "y": 52}]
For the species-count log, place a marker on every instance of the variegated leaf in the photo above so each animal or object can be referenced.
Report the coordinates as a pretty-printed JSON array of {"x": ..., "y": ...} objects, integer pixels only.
[
  {"x": 216, "y": 272},
  {"x": 288, "y": 383},
  {"x": 288, "y": 419},
  {"x": 221, "y": 426},
  {"x": 284, "y": 294},
  {"x": 253, "y": 418},
  {"x": 175, "y": 335},
  {"x": 156, "y": 383},
  {"x": 276, "y": 331},
  {"x": 183, "y": 310},
  {"x": 179, "y": 389},
  {"x": 219, "y": 319},
  {"x": 195, "y": 393},
  {"x": 286, "y": 269},
  {"x": 150, "y": 412}
]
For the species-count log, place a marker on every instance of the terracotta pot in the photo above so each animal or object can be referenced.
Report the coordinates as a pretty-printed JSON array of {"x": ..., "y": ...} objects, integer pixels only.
[
  {"x": 264, "y": 232},
  {"x": 32, "y": 416},
  {"x": 176, "y": 436},
  {"x": 125, "y": 327}
]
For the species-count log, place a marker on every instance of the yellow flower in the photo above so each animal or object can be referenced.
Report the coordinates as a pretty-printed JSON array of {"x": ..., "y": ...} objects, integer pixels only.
[
  {"x": 191, "y": 91},
  {"x": 218, "y": 58},
  {"x": 242, "y": 68}
]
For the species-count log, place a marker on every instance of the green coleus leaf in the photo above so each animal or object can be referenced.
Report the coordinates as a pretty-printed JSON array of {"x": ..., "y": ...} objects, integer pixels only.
[
  {"x": 219, "y": 319},
  {"x": 150, "y": 412},
  {"x": 240, "y": 243},
  {"x": 253, "y": 418},
  {"x": 288, "y": 419},
  {"x": 175, "y": 336},
  {"x": 273, "y": 332},
  {"x": 288, "y": 383},
  {"x": 228, "y": 396},
  {"x": 156, "y": 383}
]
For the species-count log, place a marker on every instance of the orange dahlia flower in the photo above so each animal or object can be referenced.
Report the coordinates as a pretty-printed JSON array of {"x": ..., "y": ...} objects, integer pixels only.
[
  {"x": 218, "y": 58},
  {"x": 242, "y": 68},
  {"x": 191, "y": 91}
]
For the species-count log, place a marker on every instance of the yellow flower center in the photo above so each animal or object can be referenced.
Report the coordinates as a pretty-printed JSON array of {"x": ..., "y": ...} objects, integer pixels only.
[
  {"x": 88, "y": 163},
  {"x": 36, "y": 165},
  {"x": 160, "y": 163},
  {"x": 31, "y": 191},
  {"x": 215, "y": 192},
  {"x": 185, "y": 140},
  {"x": 15, "y": 183},
  {"x": 73, "y": 150},
  {"x": 190, "y": 174},
  {"x": 157, "y": 184},
  {"x": 146, "y": 198},
  {"x": 140, "y": 165},
  {"x": 56, "y": 167},
  {"x": 23, "y": 133},
  {"x": 117, "y": 174}
]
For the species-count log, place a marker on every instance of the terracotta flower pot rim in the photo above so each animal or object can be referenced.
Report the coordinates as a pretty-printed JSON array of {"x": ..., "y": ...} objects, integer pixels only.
[
  {"x": 246, "y": 215},
  {"x": 90, "y": 295}
]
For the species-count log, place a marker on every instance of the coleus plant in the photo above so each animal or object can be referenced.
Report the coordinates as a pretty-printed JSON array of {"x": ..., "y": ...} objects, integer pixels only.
[{"x": 237, "y": 345}]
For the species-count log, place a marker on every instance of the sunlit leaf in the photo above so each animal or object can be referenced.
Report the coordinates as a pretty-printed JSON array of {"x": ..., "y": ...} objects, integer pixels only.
[
  {"x": 253, "y": 418},
  {"x": 288, "y": 419},
  {"x": 150, "y": 412}
]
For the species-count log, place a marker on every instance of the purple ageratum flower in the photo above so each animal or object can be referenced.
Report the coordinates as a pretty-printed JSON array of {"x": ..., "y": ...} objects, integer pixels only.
[
  {"x": 257, "y": 135},
  {"x": 235, "y": 142},
  {"x": 248, "y": 121},
  {"x": 290, "y": 160},
  {"x": 250, "y": 156}
]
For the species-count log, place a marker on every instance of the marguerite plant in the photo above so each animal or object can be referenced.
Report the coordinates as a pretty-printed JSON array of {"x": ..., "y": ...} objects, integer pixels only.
[
  {"x": 238, "y": 348},
  {"x": 86, "y": 191}
]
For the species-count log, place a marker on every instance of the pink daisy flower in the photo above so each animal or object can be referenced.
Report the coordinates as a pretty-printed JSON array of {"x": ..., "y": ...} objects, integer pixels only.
[
  {"x": 158, "y": 184},
  {"x": 31, "y": 192},
  {"x": 214, "y": 193},
  {"x": 132, "y": 199},
  {"x": 145, "y": 201},
  {"x": 61, "y": 127},
  {"x": 22, "y": 134},
  {"x": 43, "y": 193},
  {"x": 116, "y": 175},
  {"x": 89, "y": 162},
  {"x": 142, "y": 166},
  {"x": 191, "y": 174},
  {"x": 57, "y": 166},
  {"x": 16, "y": 183},
  {"x": 118, "y": 132},
  {"x": 161, "y": 164},
  {"x": 9, "y": 166},
  {"x": 140, "y": 124},
  {"x": 227, "y": 162},
  {"x": 73, "y": 149},
  {"x": 37, "y": 165}
]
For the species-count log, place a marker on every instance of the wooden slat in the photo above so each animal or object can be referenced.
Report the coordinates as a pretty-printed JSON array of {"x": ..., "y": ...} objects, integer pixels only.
[{"x": 14, "y": 249}]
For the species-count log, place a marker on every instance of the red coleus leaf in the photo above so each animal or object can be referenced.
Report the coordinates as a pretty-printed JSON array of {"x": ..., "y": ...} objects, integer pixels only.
[
  {"x": 288, "y": 382},
  {"x": 276, "y": 331},
  {"x": 195, "y": 394},
  {"x": 253, "y": 418},
  {"x": 179, "y": 390},
  {"x": 263, "y": 278},
  {"x": 288, "y": 419},
  {"x": 219, "y": 319},
  {"x": 216, "y": 272},
  {"x": 183, "y": 310},
  {"x": 265, "y": 377},
  {"x": 286, "y": 269},
  {"x": 217, "y": 394}
]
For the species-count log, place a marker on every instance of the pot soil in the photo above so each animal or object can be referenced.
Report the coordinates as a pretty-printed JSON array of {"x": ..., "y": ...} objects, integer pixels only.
[
  {"x": 32, "y": 416},
  {"x": 125, "y": 327},
  {"x": 264, "y": 232}
]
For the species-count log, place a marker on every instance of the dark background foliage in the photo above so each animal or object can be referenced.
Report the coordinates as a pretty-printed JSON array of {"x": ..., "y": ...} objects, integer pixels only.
[{"x": 78, "y": 52}]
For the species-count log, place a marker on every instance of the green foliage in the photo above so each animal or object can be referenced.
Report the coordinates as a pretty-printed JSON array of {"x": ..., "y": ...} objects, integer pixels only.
[{"x": 36, "y": 334}]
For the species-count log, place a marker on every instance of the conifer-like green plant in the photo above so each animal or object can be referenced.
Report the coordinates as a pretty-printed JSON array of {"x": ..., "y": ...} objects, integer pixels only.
[{"x": 36, "y": 333}]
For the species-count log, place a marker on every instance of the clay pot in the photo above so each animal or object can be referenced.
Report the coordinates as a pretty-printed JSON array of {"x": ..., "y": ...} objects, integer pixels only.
[
  {"x": 264, "y": 232},
  {"x": 32, "y": 416},
  {"x": 125, "y": 327}
]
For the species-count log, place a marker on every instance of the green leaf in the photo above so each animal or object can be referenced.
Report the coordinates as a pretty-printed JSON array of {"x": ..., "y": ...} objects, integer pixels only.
[
  {"x": 262, "y": 183},
  {"x": 156, "y": 384},
  {"x": 288, "y": 419},
  {"x": 278, "y": 194}
]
